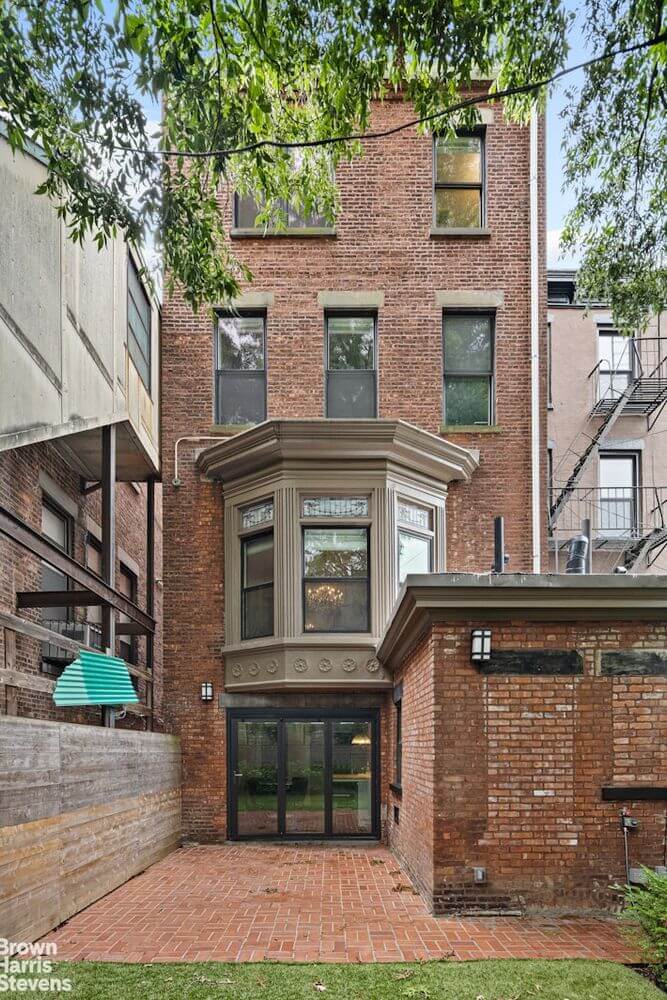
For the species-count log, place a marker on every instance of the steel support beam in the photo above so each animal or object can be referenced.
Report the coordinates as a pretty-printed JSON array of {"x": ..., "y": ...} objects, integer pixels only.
[
  {"x": 57, "y": 599},
  {"x": 109, "y": 547},
  {"x": 150, "y": 584},
  {"x": 32, "y": 541}
]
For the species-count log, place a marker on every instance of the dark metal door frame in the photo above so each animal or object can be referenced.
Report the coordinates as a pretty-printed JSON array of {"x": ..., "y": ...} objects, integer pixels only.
[{"x": 280, "y": 716}]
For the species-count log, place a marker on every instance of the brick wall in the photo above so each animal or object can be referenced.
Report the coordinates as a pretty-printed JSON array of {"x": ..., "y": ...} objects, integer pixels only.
[
  {"x": 20, "y": 491},
  {"x": 520, "y": 761}
]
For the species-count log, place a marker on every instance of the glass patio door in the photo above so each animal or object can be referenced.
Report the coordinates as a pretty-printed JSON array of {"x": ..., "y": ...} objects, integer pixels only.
[{"x": 303, "y": 775}]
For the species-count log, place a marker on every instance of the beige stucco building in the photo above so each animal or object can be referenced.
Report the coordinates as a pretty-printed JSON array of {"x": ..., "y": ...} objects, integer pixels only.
[{"x": 607, "y": 450}]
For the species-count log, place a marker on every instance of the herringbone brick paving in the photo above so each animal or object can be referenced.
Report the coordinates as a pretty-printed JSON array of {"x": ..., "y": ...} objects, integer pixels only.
[{"x": 304, "y": 903}]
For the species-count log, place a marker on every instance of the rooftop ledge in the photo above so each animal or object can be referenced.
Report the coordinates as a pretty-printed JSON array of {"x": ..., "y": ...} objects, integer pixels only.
[
  {"x": 337, "y": 443},
  {"x": 448, "y": 597}
]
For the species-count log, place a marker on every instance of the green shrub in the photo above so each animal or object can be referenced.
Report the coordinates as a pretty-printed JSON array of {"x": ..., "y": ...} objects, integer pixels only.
[{"x": 647, "y": 907}]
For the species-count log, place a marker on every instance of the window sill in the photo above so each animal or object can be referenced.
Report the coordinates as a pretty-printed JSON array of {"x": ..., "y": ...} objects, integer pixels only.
[
  {"x": 229, "y": 430},
  {"x": 471, "y": 429},
  {"x": 261, "y": 234},
  {"x": 396, "y": 789},
  {"x": 438, "y": 232}
]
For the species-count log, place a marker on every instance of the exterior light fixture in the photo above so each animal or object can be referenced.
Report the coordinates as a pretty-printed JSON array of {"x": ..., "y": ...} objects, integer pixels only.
[
  {"x": 206, "y": 691},
  {"x": 480, "y": 649}
]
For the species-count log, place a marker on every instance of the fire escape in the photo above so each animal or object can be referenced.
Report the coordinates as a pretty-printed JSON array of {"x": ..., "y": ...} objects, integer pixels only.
[{"x": 631, "y": 521}]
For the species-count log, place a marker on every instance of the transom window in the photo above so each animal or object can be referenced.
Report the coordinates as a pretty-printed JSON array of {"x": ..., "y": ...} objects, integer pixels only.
[
  {"x": 260, "y": 513},
  {"x": 415, "y": 539},
  {"x": 335, "y": 507},
  {"x": 458, "y": 197},
  {"x": 336, "y": 592},
  {"x": 468, "y": 368},
  {"x": 351, "y": 376},
  {"x": 138, "y": 324},
  {"x": 241, "y": 369},
  {"x": 257, "y": 586}
]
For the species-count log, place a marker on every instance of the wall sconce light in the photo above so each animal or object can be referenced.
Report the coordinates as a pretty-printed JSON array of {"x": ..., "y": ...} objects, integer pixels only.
[
  {"x": 206, "y": 691},
  {"x": 480, "y": 649}
]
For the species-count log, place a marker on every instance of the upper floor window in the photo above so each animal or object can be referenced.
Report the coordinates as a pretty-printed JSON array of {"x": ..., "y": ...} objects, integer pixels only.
[
  {"x": 458, "y": 197},
  {"x": 619, "y": 506},
  {"x": 351, "y": 376},
  {"x": 415, "y": 539},
  {"x": 127, "y": 585},
  {"x": 336, "y": 582},
  {"x": 57, "y": 526},
  {"x": 616, "y": 356},
  {"x": 138, "y": 324},
  {"x": 240, "y": 381},
  {"x": 257, "y": 585},
  {"x": 468, "y": 368},
  {"x": 247, "y": 208}
]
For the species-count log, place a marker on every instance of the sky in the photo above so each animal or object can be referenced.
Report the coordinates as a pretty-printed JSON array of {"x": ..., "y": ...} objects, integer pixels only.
[{"x": 559, "y": 202}]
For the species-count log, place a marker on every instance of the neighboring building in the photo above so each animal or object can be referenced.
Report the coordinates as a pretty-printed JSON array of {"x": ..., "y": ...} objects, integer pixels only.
[
  {"x": 79, "y": 455},
  {"x": 606, "y": 425},
  {"x": 360, "y": 414}
]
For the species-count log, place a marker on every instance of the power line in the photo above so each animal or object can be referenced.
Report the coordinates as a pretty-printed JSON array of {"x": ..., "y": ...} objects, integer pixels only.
[{"x": 524, "y": 88}]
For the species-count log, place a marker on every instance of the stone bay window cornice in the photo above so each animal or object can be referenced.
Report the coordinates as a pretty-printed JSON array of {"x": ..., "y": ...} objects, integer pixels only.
[{"x": 323, "y": 519}]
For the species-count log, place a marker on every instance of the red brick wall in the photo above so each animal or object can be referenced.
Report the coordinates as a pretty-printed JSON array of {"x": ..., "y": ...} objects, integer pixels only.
[
  {"x": 20, "y": 491},
  {"x": 520, "y": 761},
  {"x": 412, "y": 837}
]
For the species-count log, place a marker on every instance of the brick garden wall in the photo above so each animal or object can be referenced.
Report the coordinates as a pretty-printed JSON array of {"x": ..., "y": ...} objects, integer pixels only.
[
  {"x": 382, "y": 244},
  {"x": 520, "y": 761},
  {"x": 20, "y": 491}
]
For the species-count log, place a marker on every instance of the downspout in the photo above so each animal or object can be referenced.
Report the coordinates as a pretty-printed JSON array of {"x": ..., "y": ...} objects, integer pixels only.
[{"x": 535, "y": 413}]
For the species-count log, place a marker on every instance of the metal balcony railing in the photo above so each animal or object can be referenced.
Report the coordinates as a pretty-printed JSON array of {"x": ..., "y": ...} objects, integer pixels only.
[
  {"x": 630, "y": 521},
  {"x": 639, "y": 374},
  {"x": 87, "y": 633}
]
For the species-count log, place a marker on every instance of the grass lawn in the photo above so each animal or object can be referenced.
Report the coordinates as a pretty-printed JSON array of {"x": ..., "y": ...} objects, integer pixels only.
[{"x": 483, "y": 980}]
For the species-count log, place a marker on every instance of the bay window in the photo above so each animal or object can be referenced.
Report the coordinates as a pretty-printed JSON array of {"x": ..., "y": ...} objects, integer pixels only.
[{"x": 336, "y": 579}]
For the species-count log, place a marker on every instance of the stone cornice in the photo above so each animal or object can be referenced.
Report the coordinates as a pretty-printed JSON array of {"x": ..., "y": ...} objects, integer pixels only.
[
  {"x": 332, "y": 442},
  {"x": 450, "y": 597}
]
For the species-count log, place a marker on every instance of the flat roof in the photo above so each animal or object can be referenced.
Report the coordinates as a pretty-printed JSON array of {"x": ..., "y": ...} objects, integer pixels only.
[{"x": 427, "y": 599}]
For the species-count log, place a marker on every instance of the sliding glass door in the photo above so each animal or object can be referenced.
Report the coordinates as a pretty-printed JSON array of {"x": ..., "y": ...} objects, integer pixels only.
[{"x": 303, "y": 774}]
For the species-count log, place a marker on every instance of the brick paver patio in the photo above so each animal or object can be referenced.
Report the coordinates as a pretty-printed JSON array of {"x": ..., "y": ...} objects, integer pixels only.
[{"x": 251, "y": 902}]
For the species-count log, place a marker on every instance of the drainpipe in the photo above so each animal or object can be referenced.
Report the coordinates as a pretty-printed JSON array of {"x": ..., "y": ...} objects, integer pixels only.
[{"x": 535, "y": 413}]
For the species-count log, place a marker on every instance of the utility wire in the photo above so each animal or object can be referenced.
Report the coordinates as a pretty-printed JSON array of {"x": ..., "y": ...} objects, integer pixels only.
[{"x": 523, "y": 88}]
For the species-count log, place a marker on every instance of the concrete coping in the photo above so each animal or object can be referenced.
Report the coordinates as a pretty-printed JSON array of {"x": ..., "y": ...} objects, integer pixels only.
[{"x": 425, "y": 600}]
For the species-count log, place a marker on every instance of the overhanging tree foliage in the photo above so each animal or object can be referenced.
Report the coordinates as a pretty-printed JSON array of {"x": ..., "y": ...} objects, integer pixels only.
[{"x": 235, "y": 73}]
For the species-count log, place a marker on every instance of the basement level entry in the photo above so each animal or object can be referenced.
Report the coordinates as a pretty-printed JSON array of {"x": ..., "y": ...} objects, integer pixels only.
[{"x": 308, "y": 775}]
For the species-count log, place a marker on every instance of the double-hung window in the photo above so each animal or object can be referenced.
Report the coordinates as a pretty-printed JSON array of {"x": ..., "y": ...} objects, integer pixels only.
[
  {"x": 468, "y": 368},
  {"x": 127, "y": 585},
  {"x": 351, "y": 375},
  {"x": 616, "y": 354},
  {"x": 257, "y": 571},
  {"x": 240, "y": 390},
  {"x": 138, "y": 324},
  {"x": 619, "y": 506},
  {"x": 336, "y": 577},
  {"x": 247, "y": 208},
  {"x": 415, "y": 539},
  {"x": 458, "y": 178}
]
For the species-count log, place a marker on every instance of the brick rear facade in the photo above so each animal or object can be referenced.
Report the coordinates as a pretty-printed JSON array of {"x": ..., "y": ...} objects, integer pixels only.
[
  {"x": 518, "y": 765},
  {"x": 502, "y": 772},
  {"x": 21, "y": 492}
]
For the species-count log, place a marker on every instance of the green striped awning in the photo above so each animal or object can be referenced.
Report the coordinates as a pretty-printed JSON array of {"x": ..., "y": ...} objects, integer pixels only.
[{"x": 94, "y": 679}]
